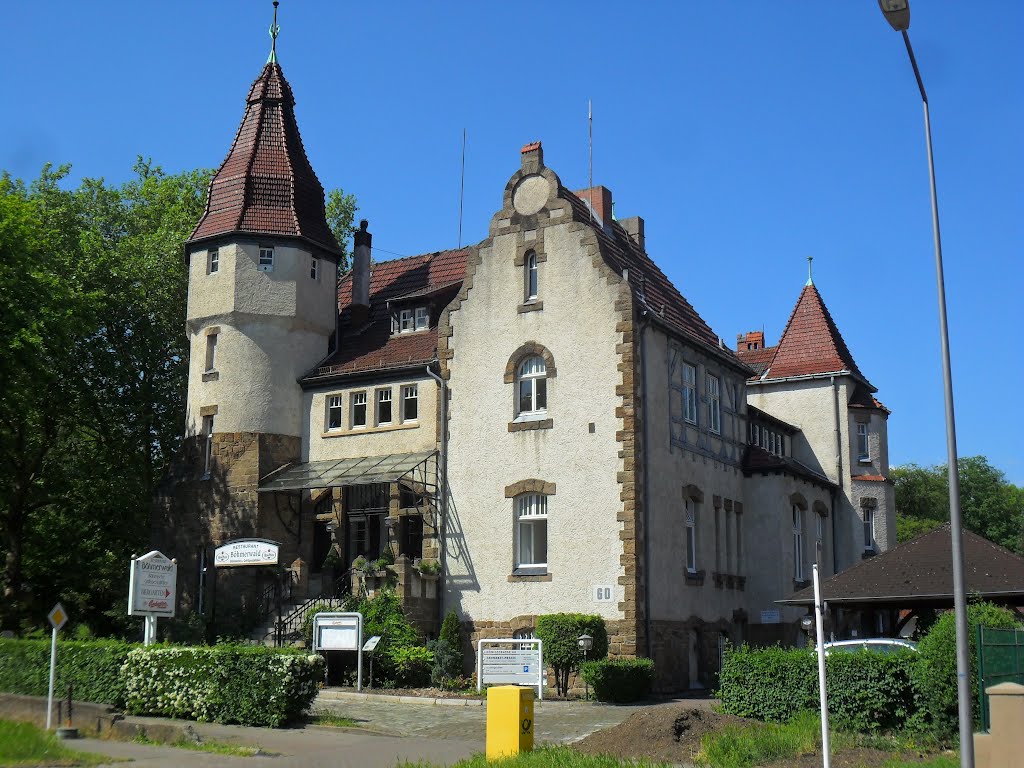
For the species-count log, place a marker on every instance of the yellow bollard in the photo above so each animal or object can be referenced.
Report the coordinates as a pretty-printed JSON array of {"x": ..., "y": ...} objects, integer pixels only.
[{"x": 509, "y": 721}]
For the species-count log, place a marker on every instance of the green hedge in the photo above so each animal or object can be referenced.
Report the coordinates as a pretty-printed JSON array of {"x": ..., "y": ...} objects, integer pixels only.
[
  {"x": 93, "y": 667},
  {"x": 619, "y": 680},
  {"x": 226, "y": 684},
  {"x": 867, "y": 691},
  {"x": 560, "y": 634}
]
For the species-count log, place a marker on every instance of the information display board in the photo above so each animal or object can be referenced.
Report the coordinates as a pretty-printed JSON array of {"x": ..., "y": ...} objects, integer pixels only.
[
  {"x": 510, "y": 661},
  {"x": 152, "y": 584},
  {"x": 340, "y": 632}
]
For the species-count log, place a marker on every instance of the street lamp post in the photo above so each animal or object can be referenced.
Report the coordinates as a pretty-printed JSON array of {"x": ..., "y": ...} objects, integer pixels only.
[
  {"x": 897, "y": 13},
  {"x": 585, "y": 642}
]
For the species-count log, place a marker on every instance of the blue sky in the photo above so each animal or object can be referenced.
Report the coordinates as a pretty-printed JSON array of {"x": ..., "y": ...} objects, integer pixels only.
[{"x": 749, "y": 135}]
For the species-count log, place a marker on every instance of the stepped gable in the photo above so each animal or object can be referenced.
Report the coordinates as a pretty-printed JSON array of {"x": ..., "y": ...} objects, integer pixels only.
[
  {"x": 649, "y": 283},
  {"x": 372, "y": 346},
  {"x": 266, "y": 186},
  {"x": 811, "y": 343}
]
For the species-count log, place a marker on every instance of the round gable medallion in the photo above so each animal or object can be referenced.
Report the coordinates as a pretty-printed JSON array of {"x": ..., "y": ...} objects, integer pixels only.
[{"x": 531, "y": 194}]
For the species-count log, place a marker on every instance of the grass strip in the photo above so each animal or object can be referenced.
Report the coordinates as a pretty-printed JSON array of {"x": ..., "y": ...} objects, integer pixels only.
[
  {"x": 24, "y": 744},
  {"x": 545, "y": 757},
  {"x": 214, "y": 747}
]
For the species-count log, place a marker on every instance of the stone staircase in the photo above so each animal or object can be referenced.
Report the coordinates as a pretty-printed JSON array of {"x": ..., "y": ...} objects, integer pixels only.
[{"x": 293, "y": 615}]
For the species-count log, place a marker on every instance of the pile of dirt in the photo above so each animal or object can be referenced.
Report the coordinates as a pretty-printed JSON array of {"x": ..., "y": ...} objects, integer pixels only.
[{"x": 666, "y": 733}]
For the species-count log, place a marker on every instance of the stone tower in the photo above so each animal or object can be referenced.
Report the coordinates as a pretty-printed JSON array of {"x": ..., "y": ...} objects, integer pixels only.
[{"x": 262, "y": 311}]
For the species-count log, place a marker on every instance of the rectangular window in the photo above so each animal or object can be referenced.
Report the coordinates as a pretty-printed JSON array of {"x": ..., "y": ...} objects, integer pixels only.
[
  {"x": 798, "y": 544},
  {"x": 422, "y": 319},
  {"x": 383, "y": 406},
  {"x": 314, "y": 268},
  {"x": 334, "y": 412},
  {"x": 211, "y": 352},
  {"x": 771, "y": 442},
  {"x": 782, "y": 445},
  {"x": 266, "y": 259},
  {"x": 207, "y": 445},
  {"x": 863, "y": 454},
  {"x": 819, "y": 531},
  {"x": 690, "y": 393},
  {"x": 691, "y": 535},
  {"x": 532, "y": 531},
  {"x": 213, "y": 261},
  {"x": 869, "y": 529},
  {"x": 531, "y": 276},
  {"x": 358, "y": 410},
  {"x": 714, "y": 404},
  {"x": 405, "y": 321},
  {"x": 410, "y": 402}
]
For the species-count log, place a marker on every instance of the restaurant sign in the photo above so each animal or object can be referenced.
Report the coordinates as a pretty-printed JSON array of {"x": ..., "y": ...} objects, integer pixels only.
[{"x": 246, "y": 552}]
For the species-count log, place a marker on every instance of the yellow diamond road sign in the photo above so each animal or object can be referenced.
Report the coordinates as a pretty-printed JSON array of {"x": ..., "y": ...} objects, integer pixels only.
[{"x": 58, "y": 616}]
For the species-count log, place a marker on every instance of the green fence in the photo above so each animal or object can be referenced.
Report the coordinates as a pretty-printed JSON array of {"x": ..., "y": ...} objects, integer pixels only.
[{"x": 1000, "y": 660}]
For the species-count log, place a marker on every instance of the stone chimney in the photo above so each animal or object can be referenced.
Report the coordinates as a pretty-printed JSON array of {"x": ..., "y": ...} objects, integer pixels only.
[
  {"x": 600, "y": 199},
  {"x": 634, "y": 227},
  {"x": 749, "y": 341},
  {"x": 533, "y": 157},
  {"x": 361, "y": 275}
]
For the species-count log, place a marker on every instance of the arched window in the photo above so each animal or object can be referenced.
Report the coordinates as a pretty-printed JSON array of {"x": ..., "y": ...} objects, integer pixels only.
[
  {"x": 532, "y": 387},
  {"x": 798, "y": 543},
  {"x": 531, "y": 276}
]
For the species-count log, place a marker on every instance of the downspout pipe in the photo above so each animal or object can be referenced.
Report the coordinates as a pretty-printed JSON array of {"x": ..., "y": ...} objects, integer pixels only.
[
  {"x": 839, "y": 468},
  {"x": 648, "y": 640},
  {"x": 443, "y": 480}
]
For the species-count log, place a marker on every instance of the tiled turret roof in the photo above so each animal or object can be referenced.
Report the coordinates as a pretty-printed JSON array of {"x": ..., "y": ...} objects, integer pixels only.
[{"x": 266, "y": 185}]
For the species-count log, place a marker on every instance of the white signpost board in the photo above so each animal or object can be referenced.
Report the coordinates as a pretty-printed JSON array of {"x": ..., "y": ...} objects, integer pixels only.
[
  {"x": 519, "y": 662},
  {"x": 152, "y": 590},
  {"x": 246, "y": 552},
  {"x": 340, "y": 632}
]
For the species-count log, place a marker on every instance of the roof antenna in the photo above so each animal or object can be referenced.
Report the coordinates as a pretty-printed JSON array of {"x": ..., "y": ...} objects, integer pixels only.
[
  {"x": 462, "y": 184},
  {"x": 590, "y": 129},
  {"x": 810, "y": 275},
  {"x": 274, "y": 31}
]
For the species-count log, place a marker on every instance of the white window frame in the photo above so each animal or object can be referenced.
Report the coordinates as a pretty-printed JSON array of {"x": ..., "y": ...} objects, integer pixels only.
[
  {"x": 211, "y": 353},
  {"x": 532, "y": 277},
  {"x": 690, "y": 393},
  {"x": 771, "y": 442},
  {"x": 868, "y": 517},
  {"x": 422, "y": 322},
  {"x": 212, "y": 261},
  {"x": 334, "y": 408},
  {"x": 798, "y": 543},
  {"x": 863, "y": 443},
  {"x": 358, "y": 400},
  {"x": 410, "y": 394},
  {"x": 714, "y": 385},
  {"x": 383, "y": 396},
  {"x": 314, "y": 268},
  {"x": 532, "y": 372},
  {"x": 690, "y": 509},
  {"x": 208, "y": 445},
  {"x": 531, "y": 510},
  {"x": 406, "y": 321},
  {"x": 266, "y": 259}
]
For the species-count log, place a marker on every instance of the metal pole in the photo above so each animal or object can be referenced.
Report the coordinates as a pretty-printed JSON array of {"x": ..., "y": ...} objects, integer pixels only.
[
  {"x": 826, "y": 748},
  {"x": 53, "y": 675},
  {"x": 963, "y": 661}
]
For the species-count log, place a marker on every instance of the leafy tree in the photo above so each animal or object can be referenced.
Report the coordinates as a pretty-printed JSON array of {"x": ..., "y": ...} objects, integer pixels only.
[
  {"x": 992, "y": 507},
  {"x": 560, "y": 633},
  {"x": 341, "y": 214}
]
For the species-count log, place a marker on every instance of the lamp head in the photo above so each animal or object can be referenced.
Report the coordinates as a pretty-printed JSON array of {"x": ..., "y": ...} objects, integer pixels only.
[
  {"x": 897, "y": 13},
  {"x": 586, "y": 642},
  {"x": 806, "y": 623}
]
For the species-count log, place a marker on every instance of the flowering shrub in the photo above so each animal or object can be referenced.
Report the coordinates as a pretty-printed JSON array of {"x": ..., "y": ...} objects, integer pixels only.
[{"x": 225, "y": 684}]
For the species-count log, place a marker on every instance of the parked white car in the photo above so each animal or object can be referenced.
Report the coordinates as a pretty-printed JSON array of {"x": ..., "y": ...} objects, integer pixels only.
[{"x": 876, "y": 644}]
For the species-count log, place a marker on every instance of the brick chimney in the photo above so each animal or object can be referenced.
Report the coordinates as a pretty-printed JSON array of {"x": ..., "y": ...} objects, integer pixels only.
[
  {"x": 749, "y": 341},
  {"x": 533, "y": 157},
  {"x": 600, "y": 199},
  {"x": 361, "y": 275},
  {"x": 634, "y": 227}
]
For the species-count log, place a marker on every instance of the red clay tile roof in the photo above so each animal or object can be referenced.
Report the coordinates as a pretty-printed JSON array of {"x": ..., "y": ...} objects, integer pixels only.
[
  {"x": 920, "y": 571},
  {"x": 811, "y": 343},
  {"x": 266, "y": 186},
  {"x": 758, "y": 359},
  {"x": 371, "y": 346},
  {"x": 756, "y": 459}
]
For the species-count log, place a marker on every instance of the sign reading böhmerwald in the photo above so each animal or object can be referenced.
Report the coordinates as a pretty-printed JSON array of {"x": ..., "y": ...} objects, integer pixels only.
[
  {"x": 152, "y": 585},
  {"x": 246, "y": 552}
]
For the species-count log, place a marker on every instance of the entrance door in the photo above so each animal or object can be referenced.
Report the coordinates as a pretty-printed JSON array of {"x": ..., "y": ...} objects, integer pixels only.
[{"x": 364, "y": 537}]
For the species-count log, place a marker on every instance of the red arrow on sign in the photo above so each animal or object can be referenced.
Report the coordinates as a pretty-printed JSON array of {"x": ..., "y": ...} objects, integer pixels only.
[{"x": 167, "y": 592}]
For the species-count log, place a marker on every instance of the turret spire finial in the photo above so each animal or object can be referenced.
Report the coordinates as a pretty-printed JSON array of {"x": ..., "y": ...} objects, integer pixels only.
[
  {"x": 810, "y": 274},
  {"x": 274, "y": 31}
]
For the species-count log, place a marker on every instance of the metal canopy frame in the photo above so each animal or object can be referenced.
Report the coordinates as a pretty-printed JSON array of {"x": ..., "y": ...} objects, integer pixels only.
[{"x": 417, "y": 470}]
